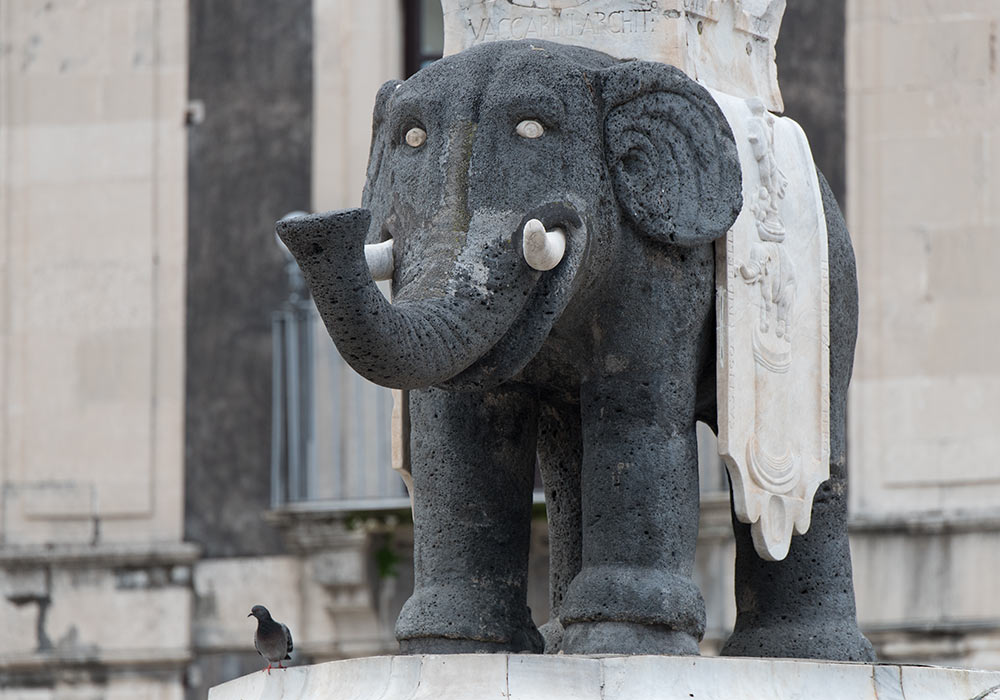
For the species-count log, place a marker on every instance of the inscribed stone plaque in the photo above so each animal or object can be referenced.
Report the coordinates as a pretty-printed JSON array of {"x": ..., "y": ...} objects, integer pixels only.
[
  {"x": 773, "y": 339},
  {"x": 724, "y": 44}
]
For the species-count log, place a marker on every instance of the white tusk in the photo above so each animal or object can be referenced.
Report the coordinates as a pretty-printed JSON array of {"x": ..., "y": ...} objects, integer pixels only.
[
  {"x": 379, "y": 259},
  {"x": 542, "y": 249}
]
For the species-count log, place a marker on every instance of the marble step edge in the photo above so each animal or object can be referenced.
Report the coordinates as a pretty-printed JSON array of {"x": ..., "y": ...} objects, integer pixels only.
[{"x": 525, "y": 677}]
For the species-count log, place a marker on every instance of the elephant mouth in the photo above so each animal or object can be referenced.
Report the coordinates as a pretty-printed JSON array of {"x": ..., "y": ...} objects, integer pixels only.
[
  {"x": 556, "y": 215},
  {"x": 547, "y": 300},
  {"x": 550, "y": 223}
]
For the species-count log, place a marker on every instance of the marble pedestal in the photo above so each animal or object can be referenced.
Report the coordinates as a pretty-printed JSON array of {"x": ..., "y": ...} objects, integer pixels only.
[{"x": 523, "y": 677}]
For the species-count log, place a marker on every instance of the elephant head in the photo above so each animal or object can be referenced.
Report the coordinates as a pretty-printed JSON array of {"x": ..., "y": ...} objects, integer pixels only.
[{"x": 509, "y": 178}]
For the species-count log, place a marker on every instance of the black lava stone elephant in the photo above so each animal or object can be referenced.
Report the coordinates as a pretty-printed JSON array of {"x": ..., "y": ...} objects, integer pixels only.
[{"x": 487, "y": 169}]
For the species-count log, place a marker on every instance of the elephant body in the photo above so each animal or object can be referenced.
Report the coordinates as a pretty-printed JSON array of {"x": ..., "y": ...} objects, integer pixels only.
[{"x": 599, "y": 367}]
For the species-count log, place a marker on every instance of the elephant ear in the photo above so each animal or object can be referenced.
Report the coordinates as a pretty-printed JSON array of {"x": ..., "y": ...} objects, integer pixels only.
[{"x": 670, "y": 152}]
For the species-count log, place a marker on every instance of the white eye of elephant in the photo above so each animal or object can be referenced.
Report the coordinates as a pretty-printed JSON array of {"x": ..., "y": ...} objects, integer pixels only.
[
  {"x": 415, "y": 137},
  {"x": 530, "y": 129}
]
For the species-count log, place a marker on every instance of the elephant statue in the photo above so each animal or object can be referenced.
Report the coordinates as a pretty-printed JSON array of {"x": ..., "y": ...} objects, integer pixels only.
[{"x": 552, "y": 213}]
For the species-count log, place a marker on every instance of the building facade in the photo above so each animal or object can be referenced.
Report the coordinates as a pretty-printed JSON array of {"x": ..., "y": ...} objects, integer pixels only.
[{"x": 148, "y": 146}]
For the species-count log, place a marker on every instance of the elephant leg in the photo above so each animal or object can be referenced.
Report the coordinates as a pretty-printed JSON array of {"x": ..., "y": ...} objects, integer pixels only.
[
  {"x": 803, "y": 606},
  {"x": 560, "y": 453},
  {"x": 473, "y": 459},
  {"x": 634, "y": 593}
]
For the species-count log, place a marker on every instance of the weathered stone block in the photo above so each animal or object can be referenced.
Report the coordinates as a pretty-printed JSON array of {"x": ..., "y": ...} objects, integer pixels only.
[
  {"x": 226, "y": 589},
  {"x": 101, "y": 609},
  {"x": 345, "y": 567},
  {"x": 19, "y": 633},
  {"x": 22, "y": 584}
]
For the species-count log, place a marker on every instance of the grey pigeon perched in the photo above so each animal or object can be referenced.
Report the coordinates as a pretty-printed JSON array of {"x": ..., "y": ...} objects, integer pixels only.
[{"x": 272, "y": 639}]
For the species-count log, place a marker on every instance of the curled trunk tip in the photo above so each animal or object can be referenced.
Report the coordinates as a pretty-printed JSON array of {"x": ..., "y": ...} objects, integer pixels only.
[{"x": 314, "y": 234}]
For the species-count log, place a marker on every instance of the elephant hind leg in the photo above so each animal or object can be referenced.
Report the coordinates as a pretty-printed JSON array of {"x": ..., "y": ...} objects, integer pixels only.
[
  {"x": 801, "y": 607},
  {"x": 804, "y": 605},
  {"x": 560, "y": 456}
]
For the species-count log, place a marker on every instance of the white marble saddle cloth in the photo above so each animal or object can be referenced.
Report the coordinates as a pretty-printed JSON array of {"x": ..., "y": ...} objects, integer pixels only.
[{"x": 773, "y": 366}]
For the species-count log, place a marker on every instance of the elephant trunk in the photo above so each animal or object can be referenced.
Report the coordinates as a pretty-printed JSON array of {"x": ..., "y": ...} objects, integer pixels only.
[{"x": 410, "y": 344}]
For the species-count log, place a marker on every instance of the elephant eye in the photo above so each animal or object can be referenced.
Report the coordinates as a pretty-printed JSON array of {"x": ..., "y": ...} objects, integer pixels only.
[
  {"x": 415, "y": 137},
  {"x": 530, "y": 129}
]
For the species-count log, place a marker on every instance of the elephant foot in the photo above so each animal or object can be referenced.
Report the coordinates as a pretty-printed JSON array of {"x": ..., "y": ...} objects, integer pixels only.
[
  {"x": 443, "y": 645},
  {"x": 456, "y": 620},
  {"x": 620, "y": 609},
  {"x": 627, "y": 638},
  {"x": 830, "y": 640}
]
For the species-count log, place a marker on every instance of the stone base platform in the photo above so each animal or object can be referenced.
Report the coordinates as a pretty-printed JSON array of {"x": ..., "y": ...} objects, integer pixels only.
[{"x": 527, "y": 677}]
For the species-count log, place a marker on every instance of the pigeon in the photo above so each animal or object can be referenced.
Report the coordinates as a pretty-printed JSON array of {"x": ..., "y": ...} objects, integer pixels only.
[{"x": 272, "y": 639}]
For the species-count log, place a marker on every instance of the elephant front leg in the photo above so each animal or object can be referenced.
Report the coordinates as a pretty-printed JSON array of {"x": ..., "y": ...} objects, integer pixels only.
[
  {"x": 472, "y": 458},
  {"x": 634, "y": 593},
  {"x": 560, "y": 454}
]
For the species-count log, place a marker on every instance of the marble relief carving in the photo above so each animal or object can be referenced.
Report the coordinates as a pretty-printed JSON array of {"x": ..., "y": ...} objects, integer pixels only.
[
  {"x": 771, "y": 271},
  {"x": 774, "y": 320}
]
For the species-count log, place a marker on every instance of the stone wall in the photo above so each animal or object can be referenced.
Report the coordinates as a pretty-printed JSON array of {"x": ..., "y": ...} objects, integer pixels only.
[
  {"x": 924, "y": 177},
  {"x": 92, "y": 244},
  {"x": 96, "y": 619},
  {"x": 923, "y": 204},
  {"x": 359, "y": 46},
  {"x": 92, "y": 271}
]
